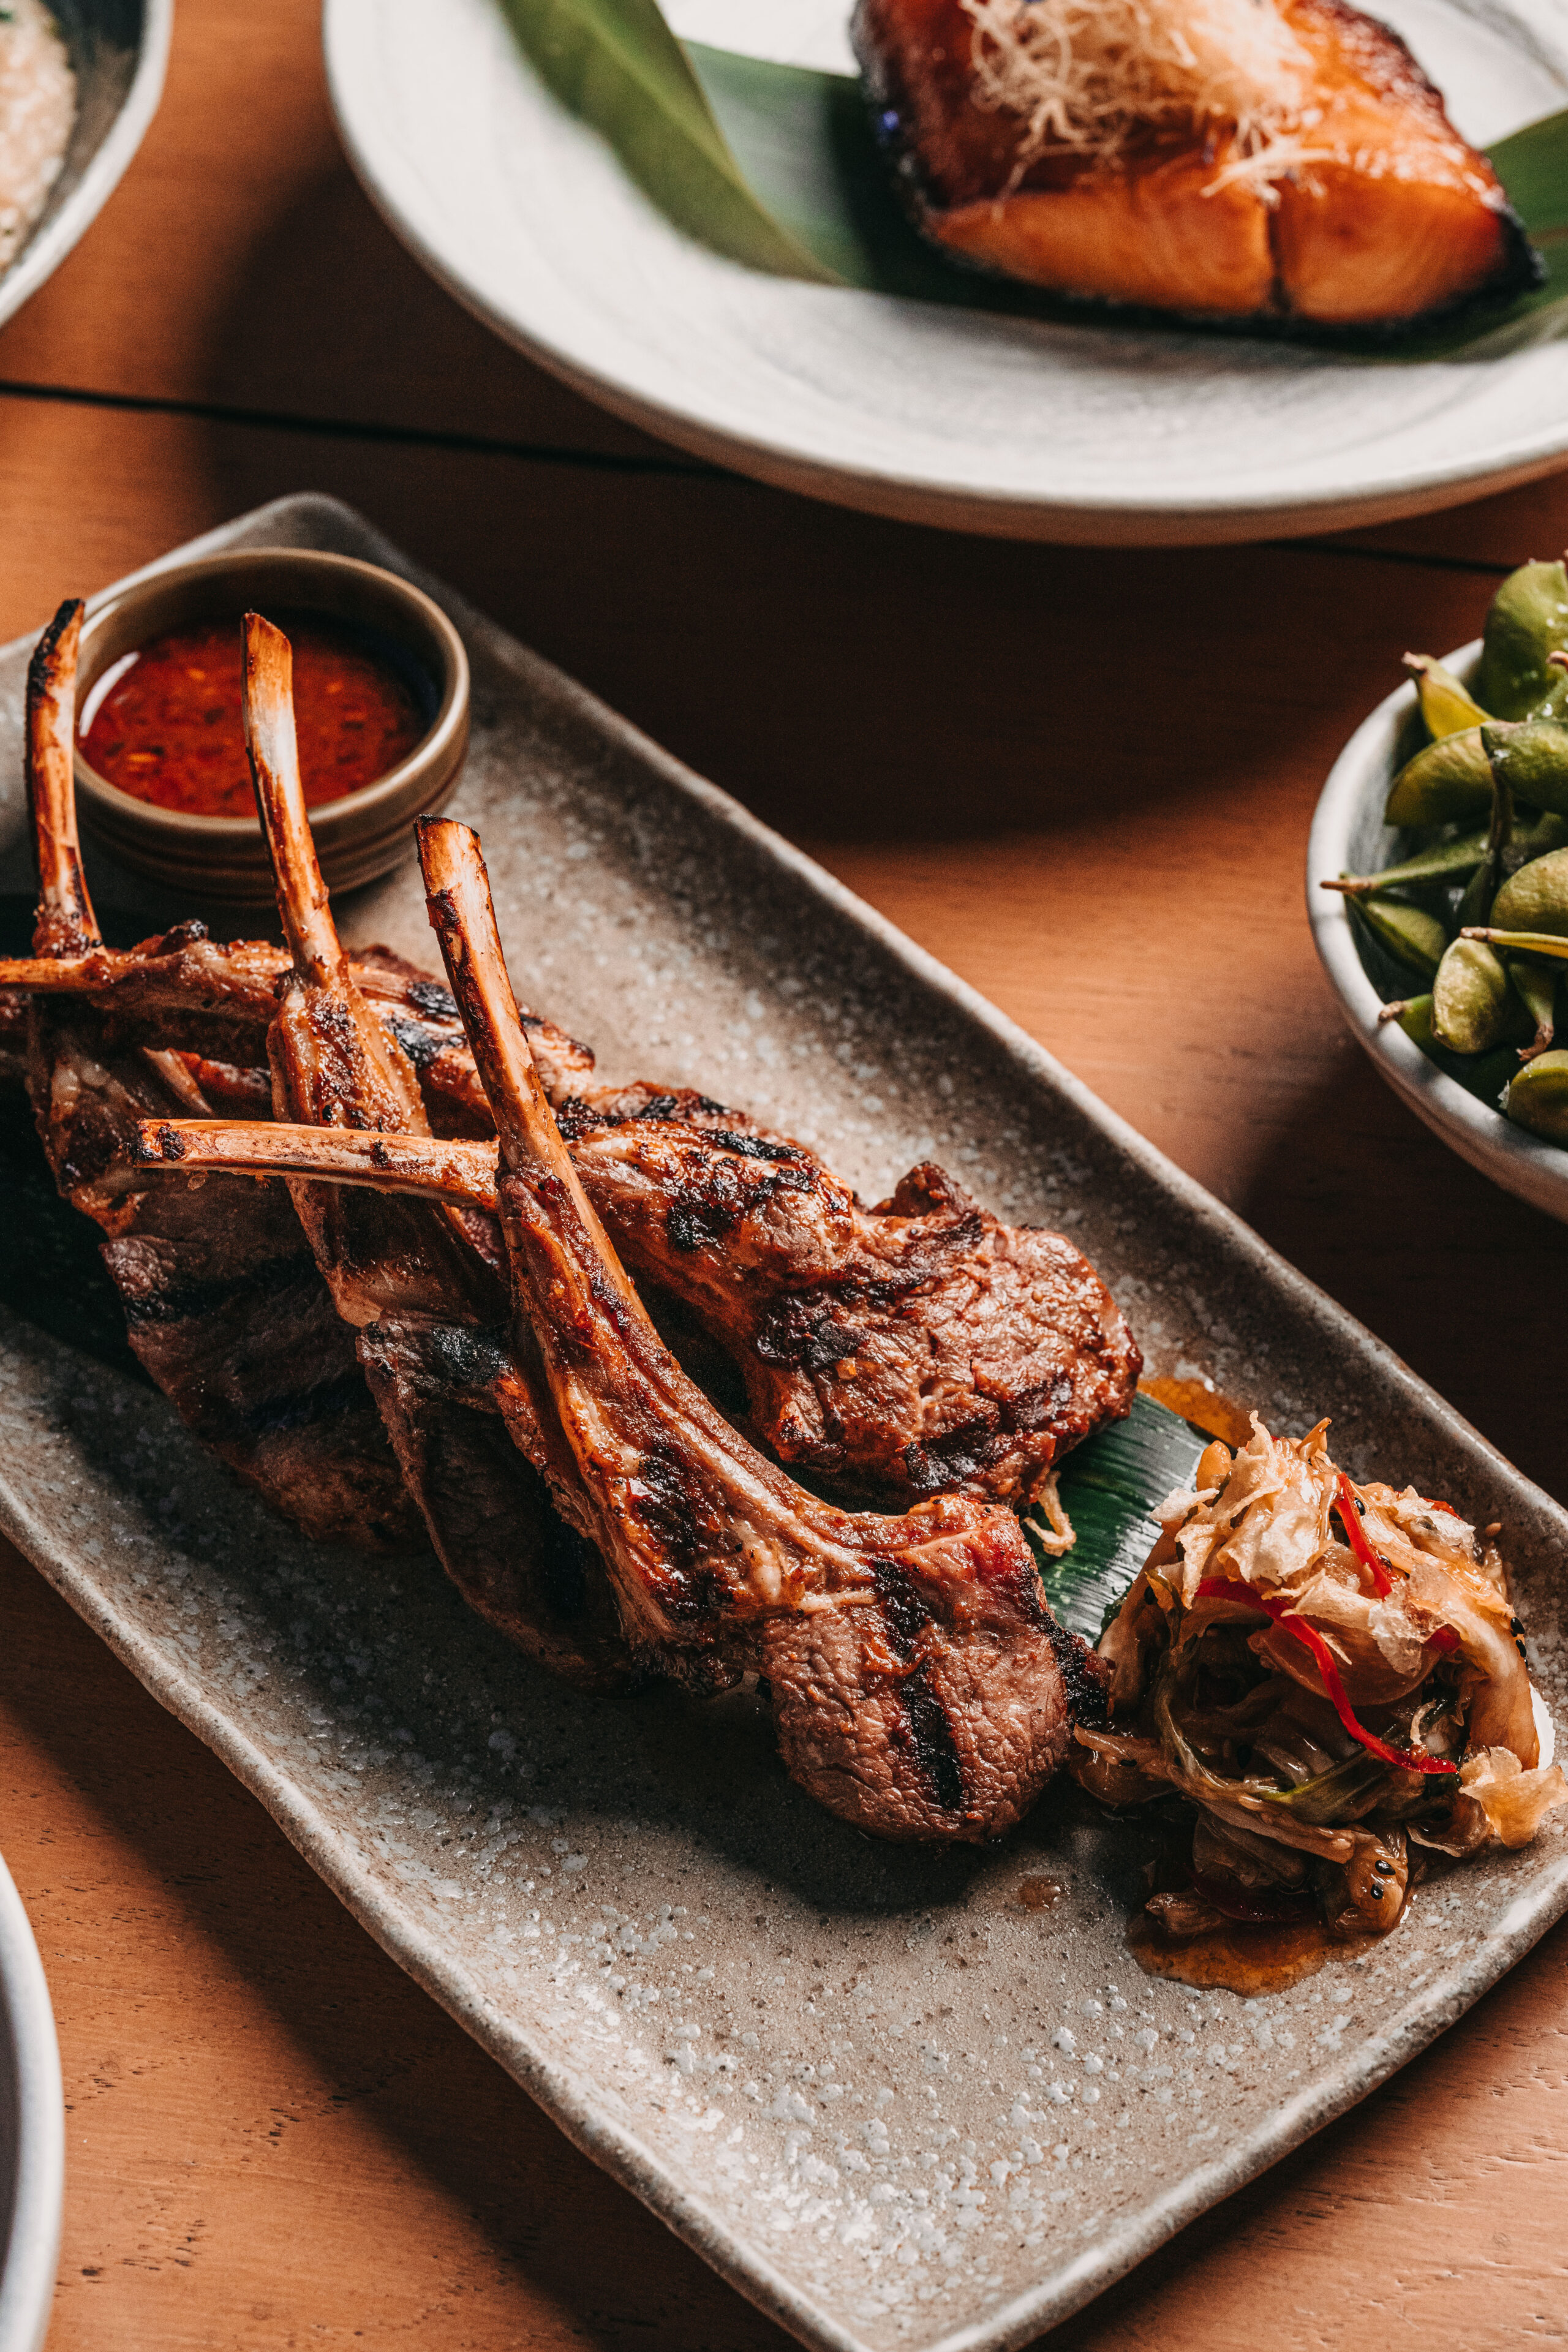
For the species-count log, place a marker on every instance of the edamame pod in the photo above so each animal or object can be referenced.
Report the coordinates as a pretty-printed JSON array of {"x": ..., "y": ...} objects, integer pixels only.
[
  {"x": 1413, "y": 1014},
  {"x": 1532, "y": 757},
  {"x": 1448, "y": 708},
  {"x": 1411, "y": 935},
  {"x": 1449, "y": 861},
  {"x": 1536, "y": 988},
  {"x": 1543, "y": 943},
  {"x": 1528, "y": 620},
  {"x": 1538, "y": 1098},
  {"x": 1536, "y": 898},
  {"x": 1446, "y": 783},
  {"x": 1473, "y": 1008},
  {"x": 1546, "y": 833}
]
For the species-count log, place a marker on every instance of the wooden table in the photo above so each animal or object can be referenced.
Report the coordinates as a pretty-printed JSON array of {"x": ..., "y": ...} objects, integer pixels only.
[{"x": 1084, "y": 781}]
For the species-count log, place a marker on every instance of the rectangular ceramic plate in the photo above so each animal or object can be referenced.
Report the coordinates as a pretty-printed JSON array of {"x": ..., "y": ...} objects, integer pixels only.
[{"x": 891, "y": 2105}]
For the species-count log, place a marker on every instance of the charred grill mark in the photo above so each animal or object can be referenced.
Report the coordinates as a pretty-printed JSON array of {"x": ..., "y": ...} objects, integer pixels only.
[
  {"x": 428, "y": 997},
  {"x": 167, "y": 1144},
  {"x": 967, "y": 1453},
  {"x": 469, "y": 1358},
  {"x": 905, "y": 1617},
  {"x": 673, "y": 1511},
  {"x": 936, "y": 1751},
  {"x": 1087, "y": 1697},
  {"x": 749, "y": 1147},
  {"x": 577, "y": 1117},
  {"x": 184, "y": 1300},
  {"x": 417, "y": 1041},
  {"x": 795, "y": 1336},
  {"x": 191, "y": 933},
  {"x": 714, "y": 1200},
  {"x": 335, "y": 1399}
]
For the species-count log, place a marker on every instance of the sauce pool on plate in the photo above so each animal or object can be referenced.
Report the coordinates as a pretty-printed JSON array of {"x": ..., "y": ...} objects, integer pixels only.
[{"x": 165, "y": 723}]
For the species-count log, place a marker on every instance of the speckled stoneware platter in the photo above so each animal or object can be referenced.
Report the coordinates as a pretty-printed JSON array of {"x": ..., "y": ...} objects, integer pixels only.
[
  {"x": 1349, "y": 836},
  {"x": 1032, "y": 428},
  {"x": 890, "y": 2103}
]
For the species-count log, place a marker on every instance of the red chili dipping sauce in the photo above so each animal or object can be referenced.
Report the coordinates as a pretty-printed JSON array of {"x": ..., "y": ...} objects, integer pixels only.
[{"x": 165, "y": 723}]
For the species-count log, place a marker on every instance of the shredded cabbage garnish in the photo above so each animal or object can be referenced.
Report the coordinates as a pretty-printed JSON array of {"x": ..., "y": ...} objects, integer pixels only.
[{"x": 1324, "y": 1666}]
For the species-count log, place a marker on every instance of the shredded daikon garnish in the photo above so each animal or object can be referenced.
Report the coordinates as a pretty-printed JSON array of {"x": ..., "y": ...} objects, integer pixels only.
[{"x": 1083, "y": 74}]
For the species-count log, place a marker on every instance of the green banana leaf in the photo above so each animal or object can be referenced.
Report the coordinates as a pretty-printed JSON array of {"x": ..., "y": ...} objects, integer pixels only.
[
  {"x": 777, "y": 166},
  {"x": 1108, "y": 1485}
]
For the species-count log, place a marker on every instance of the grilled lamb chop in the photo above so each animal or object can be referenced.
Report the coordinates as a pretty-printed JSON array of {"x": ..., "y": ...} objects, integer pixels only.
[
  {"x": 920, "y": 1686},
  {"x": 921, "y": 1347},
  {"x": 420, "y": 1283},
  {"x": 224, "y": 1303}
]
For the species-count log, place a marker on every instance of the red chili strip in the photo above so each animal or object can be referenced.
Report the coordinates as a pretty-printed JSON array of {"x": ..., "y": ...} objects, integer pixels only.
[
  {"x": 1432, "y": 1505},
  {"x": 1407, "y": 1760},
  {"x": 1355, "y": 1534}
]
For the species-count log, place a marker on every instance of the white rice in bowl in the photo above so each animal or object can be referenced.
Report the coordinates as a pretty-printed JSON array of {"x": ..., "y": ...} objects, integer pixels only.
[{"x": 37, "y": 107}]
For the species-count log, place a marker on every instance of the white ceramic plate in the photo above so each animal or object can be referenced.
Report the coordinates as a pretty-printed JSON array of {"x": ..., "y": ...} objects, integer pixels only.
[
  {"x": 985, "y": 422},
  {"x": 32, "y": 2133},
  {"x": 896, "y": 2106},
  {"x": 1349, "y": 836},
  {"x": 119, "y": 50}
]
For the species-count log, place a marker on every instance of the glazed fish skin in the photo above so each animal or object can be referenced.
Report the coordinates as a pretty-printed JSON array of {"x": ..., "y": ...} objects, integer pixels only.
[{"x": 1388, "y": 217}]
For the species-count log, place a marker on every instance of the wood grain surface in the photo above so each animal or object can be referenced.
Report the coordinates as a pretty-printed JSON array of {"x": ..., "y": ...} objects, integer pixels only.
[{"x": 1084, "y": 781}]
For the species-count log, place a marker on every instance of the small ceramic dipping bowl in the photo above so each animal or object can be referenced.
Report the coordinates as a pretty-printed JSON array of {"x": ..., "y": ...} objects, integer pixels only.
[{"x": 362, "y": 834}]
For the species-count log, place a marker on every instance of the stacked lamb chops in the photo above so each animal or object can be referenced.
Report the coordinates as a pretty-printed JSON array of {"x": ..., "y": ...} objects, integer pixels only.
[
  {"x": 921, "y": 1689},
  {"x": 895, "y": 1351}
]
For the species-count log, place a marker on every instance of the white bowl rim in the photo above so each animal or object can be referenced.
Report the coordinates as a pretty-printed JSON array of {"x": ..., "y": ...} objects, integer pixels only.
[
  {"x": 1522, "y": 1163},
  {"x": 43, "y": 253},
  {"x": 32, "y": 2240}
]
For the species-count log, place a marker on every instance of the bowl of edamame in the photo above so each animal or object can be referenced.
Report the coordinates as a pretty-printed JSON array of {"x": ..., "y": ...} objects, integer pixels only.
[{"x": 1438, "y": 889}]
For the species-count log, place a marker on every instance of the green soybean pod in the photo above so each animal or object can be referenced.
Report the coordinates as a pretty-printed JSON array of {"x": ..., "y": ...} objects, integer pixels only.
[
  {"x": 1535, "y": 898},
  {"x": 1528, "y": 620},
  {"x": 1473, "y": 1007},
  {"x": 1534, "y": 839},
  {"x": 1446, "y": 783},
  {"x": 1413, "y": 1014},
  {"x": 1538, "y": 1098},
  {"x": 1410, "y": 935},
  {"x": 1447, "y": 707},
  {"x": 1535, "y": 985},
  {"x": 1531, "y": 758},
  {"x": 1542, "y": 944},
  {"x": 1447, "y": 861}
]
